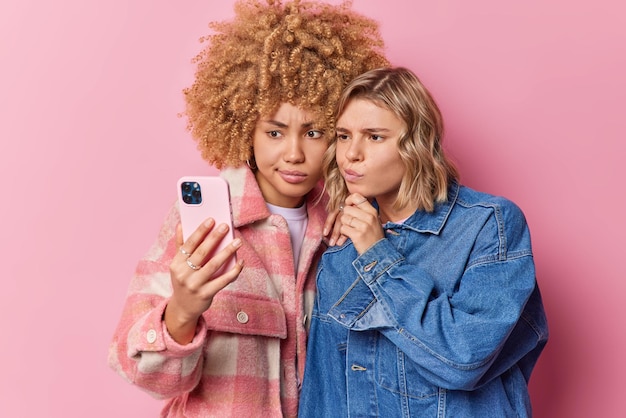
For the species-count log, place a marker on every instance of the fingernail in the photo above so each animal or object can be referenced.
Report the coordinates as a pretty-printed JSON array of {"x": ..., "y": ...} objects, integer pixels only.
[
  {"x": 332, "y": 242},
  {"x": 208, "y": 223},
  {"x": 237, "y": 243},
  {"x": 325, "y": 231},
  {"x": 223, "y": 228}
]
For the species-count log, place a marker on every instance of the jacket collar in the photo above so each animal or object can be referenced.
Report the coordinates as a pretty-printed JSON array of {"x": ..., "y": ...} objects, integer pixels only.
[
  {"x": 246, "y": 199},
  {"x": 248, "y": 204},
  {"x": 433, "y": 222}
]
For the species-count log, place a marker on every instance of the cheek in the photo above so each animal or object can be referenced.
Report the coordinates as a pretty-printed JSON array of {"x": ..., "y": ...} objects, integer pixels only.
[
  {"x": 392, "y": 173},
  {"x": 264, "y": 152},
  {"x": 258, "y": 149},
  {"x": 261, "y": 156},
  {"x": 340, "y": 152},
  {"x": 315, "y": 154}
]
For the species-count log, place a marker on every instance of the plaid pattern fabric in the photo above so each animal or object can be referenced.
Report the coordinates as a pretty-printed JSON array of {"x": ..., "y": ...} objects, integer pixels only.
[{"x": 249, "y": 350}]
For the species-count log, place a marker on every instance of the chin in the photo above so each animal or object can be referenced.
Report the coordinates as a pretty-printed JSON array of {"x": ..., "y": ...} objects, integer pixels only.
[
  {"x": 354, "y": 189},
  {"x": 296, "y": 190}
]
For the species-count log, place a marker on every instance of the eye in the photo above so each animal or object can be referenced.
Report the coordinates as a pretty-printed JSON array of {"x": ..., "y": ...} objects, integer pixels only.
[
  {"x": 314, "y": 134},
  {"x": 376, "y": 138},
  {"x": 342, "y": 137},
  {"x": 274, "y": 134}
]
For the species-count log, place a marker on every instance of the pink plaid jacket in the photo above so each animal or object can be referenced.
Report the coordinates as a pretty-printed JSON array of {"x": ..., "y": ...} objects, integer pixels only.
[{"x": 248, "y": 355}]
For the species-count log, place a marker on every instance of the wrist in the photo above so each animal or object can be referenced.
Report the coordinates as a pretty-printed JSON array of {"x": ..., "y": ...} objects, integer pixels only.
[{"x": 180, "y": 325}]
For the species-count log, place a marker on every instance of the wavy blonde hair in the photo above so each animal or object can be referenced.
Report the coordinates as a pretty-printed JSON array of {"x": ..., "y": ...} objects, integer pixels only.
[
  {"x": 428, "y": 170},
  {"x": 299, "y": 52}
]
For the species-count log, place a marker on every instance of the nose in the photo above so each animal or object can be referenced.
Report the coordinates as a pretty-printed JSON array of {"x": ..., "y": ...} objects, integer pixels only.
[
  {"x": 353, "y": 151},
  {"x": 293, "y": 150}
]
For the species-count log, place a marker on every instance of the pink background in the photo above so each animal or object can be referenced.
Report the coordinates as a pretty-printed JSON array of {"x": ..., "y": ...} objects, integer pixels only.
[{"x": 91, "y": 146}]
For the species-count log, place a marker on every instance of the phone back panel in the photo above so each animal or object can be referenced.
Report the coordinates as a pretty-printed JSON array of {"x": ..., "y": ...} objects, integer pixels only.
[{"x": 202, "y": 197}]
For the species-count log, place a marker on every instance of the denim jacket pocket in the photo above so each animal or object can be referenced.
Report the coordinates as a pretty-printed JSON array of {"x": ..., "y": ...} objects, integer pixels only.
[{"x": 398, "y": 374}]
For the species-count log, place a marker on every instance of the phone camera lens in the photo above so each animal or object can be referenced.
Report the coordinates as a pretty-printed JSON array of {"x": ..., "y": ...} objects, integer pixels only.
[
  {"x": 186, "y": 187},
  {"x": 187, "y": 199}
]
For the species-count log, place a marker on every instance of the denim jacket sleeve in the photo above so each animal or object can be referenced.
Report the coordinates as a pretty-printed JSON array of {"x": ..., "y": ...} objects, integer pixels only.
[{"x": 458, "y": 337}]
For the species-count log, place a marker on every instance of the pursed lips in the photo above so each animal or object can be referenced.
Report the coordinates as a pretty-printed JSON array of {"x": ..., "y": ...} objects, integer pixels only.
[{"x": 351, "y": 175}]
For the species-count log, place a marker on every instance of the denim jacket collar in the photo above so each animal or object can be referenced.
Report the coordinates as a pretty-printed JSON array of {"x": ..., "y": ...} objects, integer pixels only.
[{"x": 432, "y": 222}]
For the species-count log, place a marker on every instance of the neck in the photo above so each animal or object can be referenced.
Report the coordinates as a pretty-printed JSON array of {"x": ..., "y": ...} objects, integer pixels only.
[{"x": 387, "y": 213}]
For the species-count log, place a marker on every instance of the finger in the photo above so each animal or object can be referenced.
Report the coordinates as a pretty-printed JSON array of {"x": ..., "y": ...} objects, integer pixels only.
[
  {"x": 351, "y": 214},
  {"x": 330, "y": 221},
  {"x": 179, "y": 241},
  {"x": 179, "y": 235},
  {"x": 355, "y": 199},
  {"x": 336, "y": 232},
  {"x": 206, "y": 273},
  {"x": 198, "y": 236},
  {"x": 209, "y": 244},
  {"x": 184, "y": 252},
  {"x": 219, "y": 259},
  {"x": 213, "y": 286},
  {"x": 204, "y": 252},
  {"x": 341, "y": 240},
  {"x": 365, "y": 217},
  {"x": 192, "y": 265},
  {"x": 350, "y": 221},
  {"x": 364, "y": 212},
  {"x": 347, "y": 225}
]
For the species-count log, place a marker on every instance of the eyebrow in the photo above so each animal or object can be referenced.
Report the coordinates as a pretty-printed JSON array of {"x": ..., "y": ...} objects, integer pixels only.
[
  {"x": 368, "y": 130},
  {"x": 279, "y": 124}
]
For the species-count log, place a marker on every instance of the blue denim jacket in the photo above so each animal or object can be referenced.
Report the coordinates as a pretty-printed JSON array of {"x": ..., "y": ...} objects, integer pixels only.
[{"x": 441, "y": 318}]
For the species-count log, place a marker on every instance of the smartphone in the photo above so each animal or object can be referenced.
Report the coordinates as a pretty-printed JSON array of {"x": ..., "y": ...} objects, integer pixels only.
[{"x": 202, "y": 197}]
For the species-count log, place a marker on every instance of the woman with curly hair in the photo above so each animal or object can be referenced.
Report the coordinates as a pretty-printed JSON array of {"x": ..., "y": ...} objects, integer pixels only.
[{"x": 233, "y": 343}]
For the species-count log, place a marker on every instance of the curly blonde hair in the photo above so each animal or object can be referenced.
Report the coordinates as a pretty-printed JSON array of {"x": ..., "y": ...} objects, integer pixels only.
[{"x": 300, "y": 52}]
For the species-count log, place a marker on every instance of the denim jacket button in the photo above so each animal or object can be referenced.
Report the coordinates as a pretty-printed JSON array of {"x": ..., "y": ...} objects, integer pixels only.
[{"x": 370, "y": 266}]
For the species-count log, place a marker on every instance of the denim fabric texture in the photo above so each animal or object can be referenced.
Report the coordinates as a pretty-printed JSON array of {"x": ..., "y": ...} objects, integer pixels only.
[{"x": 441, "y": 318}]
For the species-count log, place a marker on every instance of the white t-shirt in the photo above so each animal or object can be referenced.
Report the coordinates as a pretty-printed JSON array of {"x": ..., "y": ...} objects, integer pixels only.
[{"x": 297, "y": 221}]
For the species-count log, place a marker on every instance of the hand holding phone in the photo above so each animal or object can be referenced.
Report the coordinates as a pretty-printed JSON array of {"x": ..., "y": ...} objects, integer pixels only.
[
  {"x": 194, "y": 287},
  {"x": 205, "y": 197}
]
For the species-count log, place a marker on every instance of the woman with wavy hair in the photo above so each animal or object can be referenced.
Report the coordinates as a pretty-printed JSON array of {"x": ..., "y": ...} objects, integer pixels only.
[
  {"x": 431, "y": 307},
  {"x": 233, "y": 343}
]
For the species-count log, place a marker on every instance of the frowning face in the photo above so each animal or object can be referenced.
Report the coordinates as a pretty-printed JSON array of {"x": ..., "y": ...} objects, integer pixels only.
[
  {"x": 288, "y": 149},
  {"x": 367, "y": 150}
]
